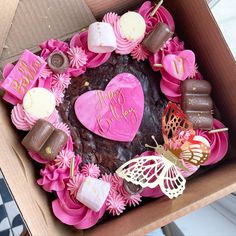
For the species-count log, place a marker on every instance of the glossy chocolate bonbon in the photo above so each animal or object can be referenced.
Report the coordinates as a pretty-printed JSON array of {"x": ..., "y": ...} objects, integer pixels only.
[{"x": 58, "y": 62}]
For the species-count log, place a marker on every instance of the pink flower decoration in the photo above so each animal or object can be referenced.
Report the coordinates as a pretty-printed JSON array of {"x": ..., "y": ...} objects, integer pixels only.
[
  {"x": 115, "y": 204},
  {"x": 139, "y": 53},
  {"x": 60, "y": 81},
  {"x": 74, "y": 184},
  {"x": 52, "y": 45},
  {"x": 132, "y": 199},
  {"x": 162, "y": 15},
  {"x": 91, "y": 170},
  {"x": 63, "y": 159},
  {"x": 71, "y": 212},
  {"x": 117, "y": 183},
  {"x": 77, "y": 56},
  {"x": 172, "y": 46},
  {"x": 218, "y": 143},
  {"x": 59, "y": 95},
  {"x": 94, "y": 59},
  {"x": 62, "y": 126},
  {"x": 108, "y": 178}
]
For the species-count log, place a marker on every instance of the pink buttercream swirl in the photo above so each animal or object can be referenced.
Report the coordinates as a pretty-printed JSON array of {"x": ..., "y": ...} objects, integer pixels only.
[
  {"x": 52, "y": 45},
  {"x": 94, "y": 59},
  {"x": 140, "y": 53},
  {"x": 132, "y": 199},
  {"x": 55, "y": 178},
  {"x": 124, "y": 46},
  {"x": 71, "y": 212},
  {"x": 218, "y": 143},
  {"x": 170, "y": 87},
  {"x": 58, "y": 94},
  {"x": 162, "y": 15},
  {"x": 77, "y": 56},
  {"x": 24, "y": 121},
  {"x": 63, "y": 159}
]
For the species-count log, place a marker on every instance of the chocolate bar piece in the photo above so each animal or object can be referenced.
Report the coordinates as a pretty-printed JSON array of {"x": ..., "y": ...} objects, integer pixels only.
[
  {"x": 53, "y": 145},
  {"x": 156, "y": 39},
  {"x": 193, "y": 86},
  {"x": 201, "y": 120},
  {"x": 58, "y": 62},
  {"x": 197, "y": 103},
  {"x": 38, "y": 135}
]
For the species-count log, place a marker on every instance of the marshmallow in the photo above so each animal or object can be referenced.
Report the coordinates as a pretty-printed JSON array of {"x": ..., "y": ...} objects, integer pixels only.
[
  {"x": 93, "y": 193},
  {"x": 101, "y": 38},
  {"x": 39, "y": 102},
  {"x": 132, "y": 25}
]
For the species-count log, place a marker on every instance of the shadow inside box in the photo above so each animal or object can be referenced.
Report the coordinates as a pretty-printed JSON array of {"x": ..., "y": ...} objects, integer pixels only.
[{"x": 11, "y": 221}]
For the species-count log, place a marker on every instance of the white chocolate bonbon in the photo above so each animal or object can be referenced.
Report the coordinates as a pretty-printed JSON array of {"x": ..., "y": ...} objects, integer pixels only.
[
  {"x": 39, "y": 102},
  {"x": 132, "y": 25}
]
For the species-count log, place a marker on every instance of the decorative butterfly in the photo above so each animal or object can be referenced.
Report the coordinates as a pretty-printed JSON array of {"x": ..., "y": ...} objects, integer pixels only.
[{"x": 181, "y": 144}]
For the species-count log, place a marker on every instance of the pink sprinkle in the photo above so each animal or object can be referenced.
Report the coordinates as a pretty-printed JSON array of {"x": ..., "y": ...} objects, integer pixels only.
[
  {"x": 77, "y": 56},
  {"x": 63, "y": 160},
  {"x": 115, "y": 204},
  {"x": 74, "y": 184},
  {"x": 91, "y": 170}
]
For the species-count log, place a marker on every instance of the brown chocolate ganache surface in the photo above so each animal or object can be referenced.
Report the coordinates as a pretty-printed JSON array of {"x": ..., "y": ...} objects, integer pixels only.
[{"x": 108, "y": 154}]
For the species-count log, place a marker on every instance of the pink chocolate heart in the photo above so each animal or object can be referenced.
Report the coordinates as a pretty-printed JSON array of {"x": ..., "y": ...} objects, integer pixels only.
[
  {"x": 115, "y": 113},
  {"x": 181, "y": 65}
]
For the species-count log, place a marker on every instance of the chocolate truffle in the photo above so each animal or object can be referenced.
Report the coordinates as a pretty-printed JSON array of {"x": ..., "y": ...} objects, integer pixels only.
[{"x": 58, "y": 62}]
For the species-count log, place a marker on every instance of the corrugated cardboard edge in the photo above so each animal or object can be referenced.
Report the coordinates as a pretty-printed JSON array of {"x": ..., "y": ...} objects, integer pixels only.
[{"x": 7, "y": 13}]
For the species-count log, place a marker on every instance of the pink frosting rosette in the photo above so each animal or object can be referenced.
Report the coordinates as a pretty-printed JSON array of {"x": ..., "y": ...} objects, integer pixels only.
[
  {"x": 218, "y": 143},
  {"x": 162, "y": 15},
  {"x": 55, "y": 178},
  {"x": 172, "y": 46},
  {"x": 52, "y": 45},
  {"x": 93, "y": 59},
  {"x": 71, "y": 212}
]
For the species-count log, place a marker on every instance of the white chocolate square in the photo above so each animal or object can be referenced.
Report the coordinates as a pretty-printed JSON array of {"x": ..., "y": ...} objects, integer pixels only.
[{"x": 93, "y": 193}]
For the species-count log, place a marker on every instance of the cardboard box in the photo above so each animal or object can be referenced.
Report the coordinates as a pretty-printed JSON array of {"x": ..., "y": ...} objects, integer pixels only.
[{"x": 26, "y": 23}]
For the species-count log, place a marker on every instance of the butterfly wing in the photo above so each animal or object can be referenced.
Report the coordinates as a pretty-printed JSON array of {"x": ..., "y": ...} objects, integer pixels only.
[
  {"x": 173, "y": 183},
  {"x": 143, "y": 171},
  {"x": 196, "y": 152},
  {"x": 176, "y": 128}
]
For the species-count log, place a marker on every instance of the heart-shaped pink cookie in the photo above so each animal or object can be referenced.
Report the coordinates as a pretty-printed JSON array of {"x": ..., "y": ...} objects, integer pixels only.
[
  {"x": 180, "y": 66},
  {"x": 115, "y": 113}
]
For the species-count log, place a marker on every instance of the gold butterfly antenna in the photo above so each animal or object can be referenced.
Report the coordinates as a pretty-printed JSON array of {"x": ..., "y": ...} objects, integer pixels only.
[{"x": 158, "y": 148}]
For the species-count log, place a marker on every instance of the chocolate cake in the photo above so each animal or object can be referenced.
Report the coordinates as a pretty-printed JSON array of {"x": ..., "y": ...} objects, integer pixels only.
[{"x": 108, "y": 154}]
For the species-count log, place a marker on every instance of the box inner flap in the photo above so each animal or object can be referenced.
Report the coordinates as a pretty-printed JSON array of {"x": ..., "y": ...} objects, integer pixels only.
[{"x": 36, "y": 21}]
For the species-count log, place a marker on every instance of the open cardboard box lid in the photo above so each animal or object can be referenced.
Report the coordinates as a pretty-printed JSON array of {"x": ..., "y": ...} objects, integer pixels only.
[{"x": 26, "y": 23}]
